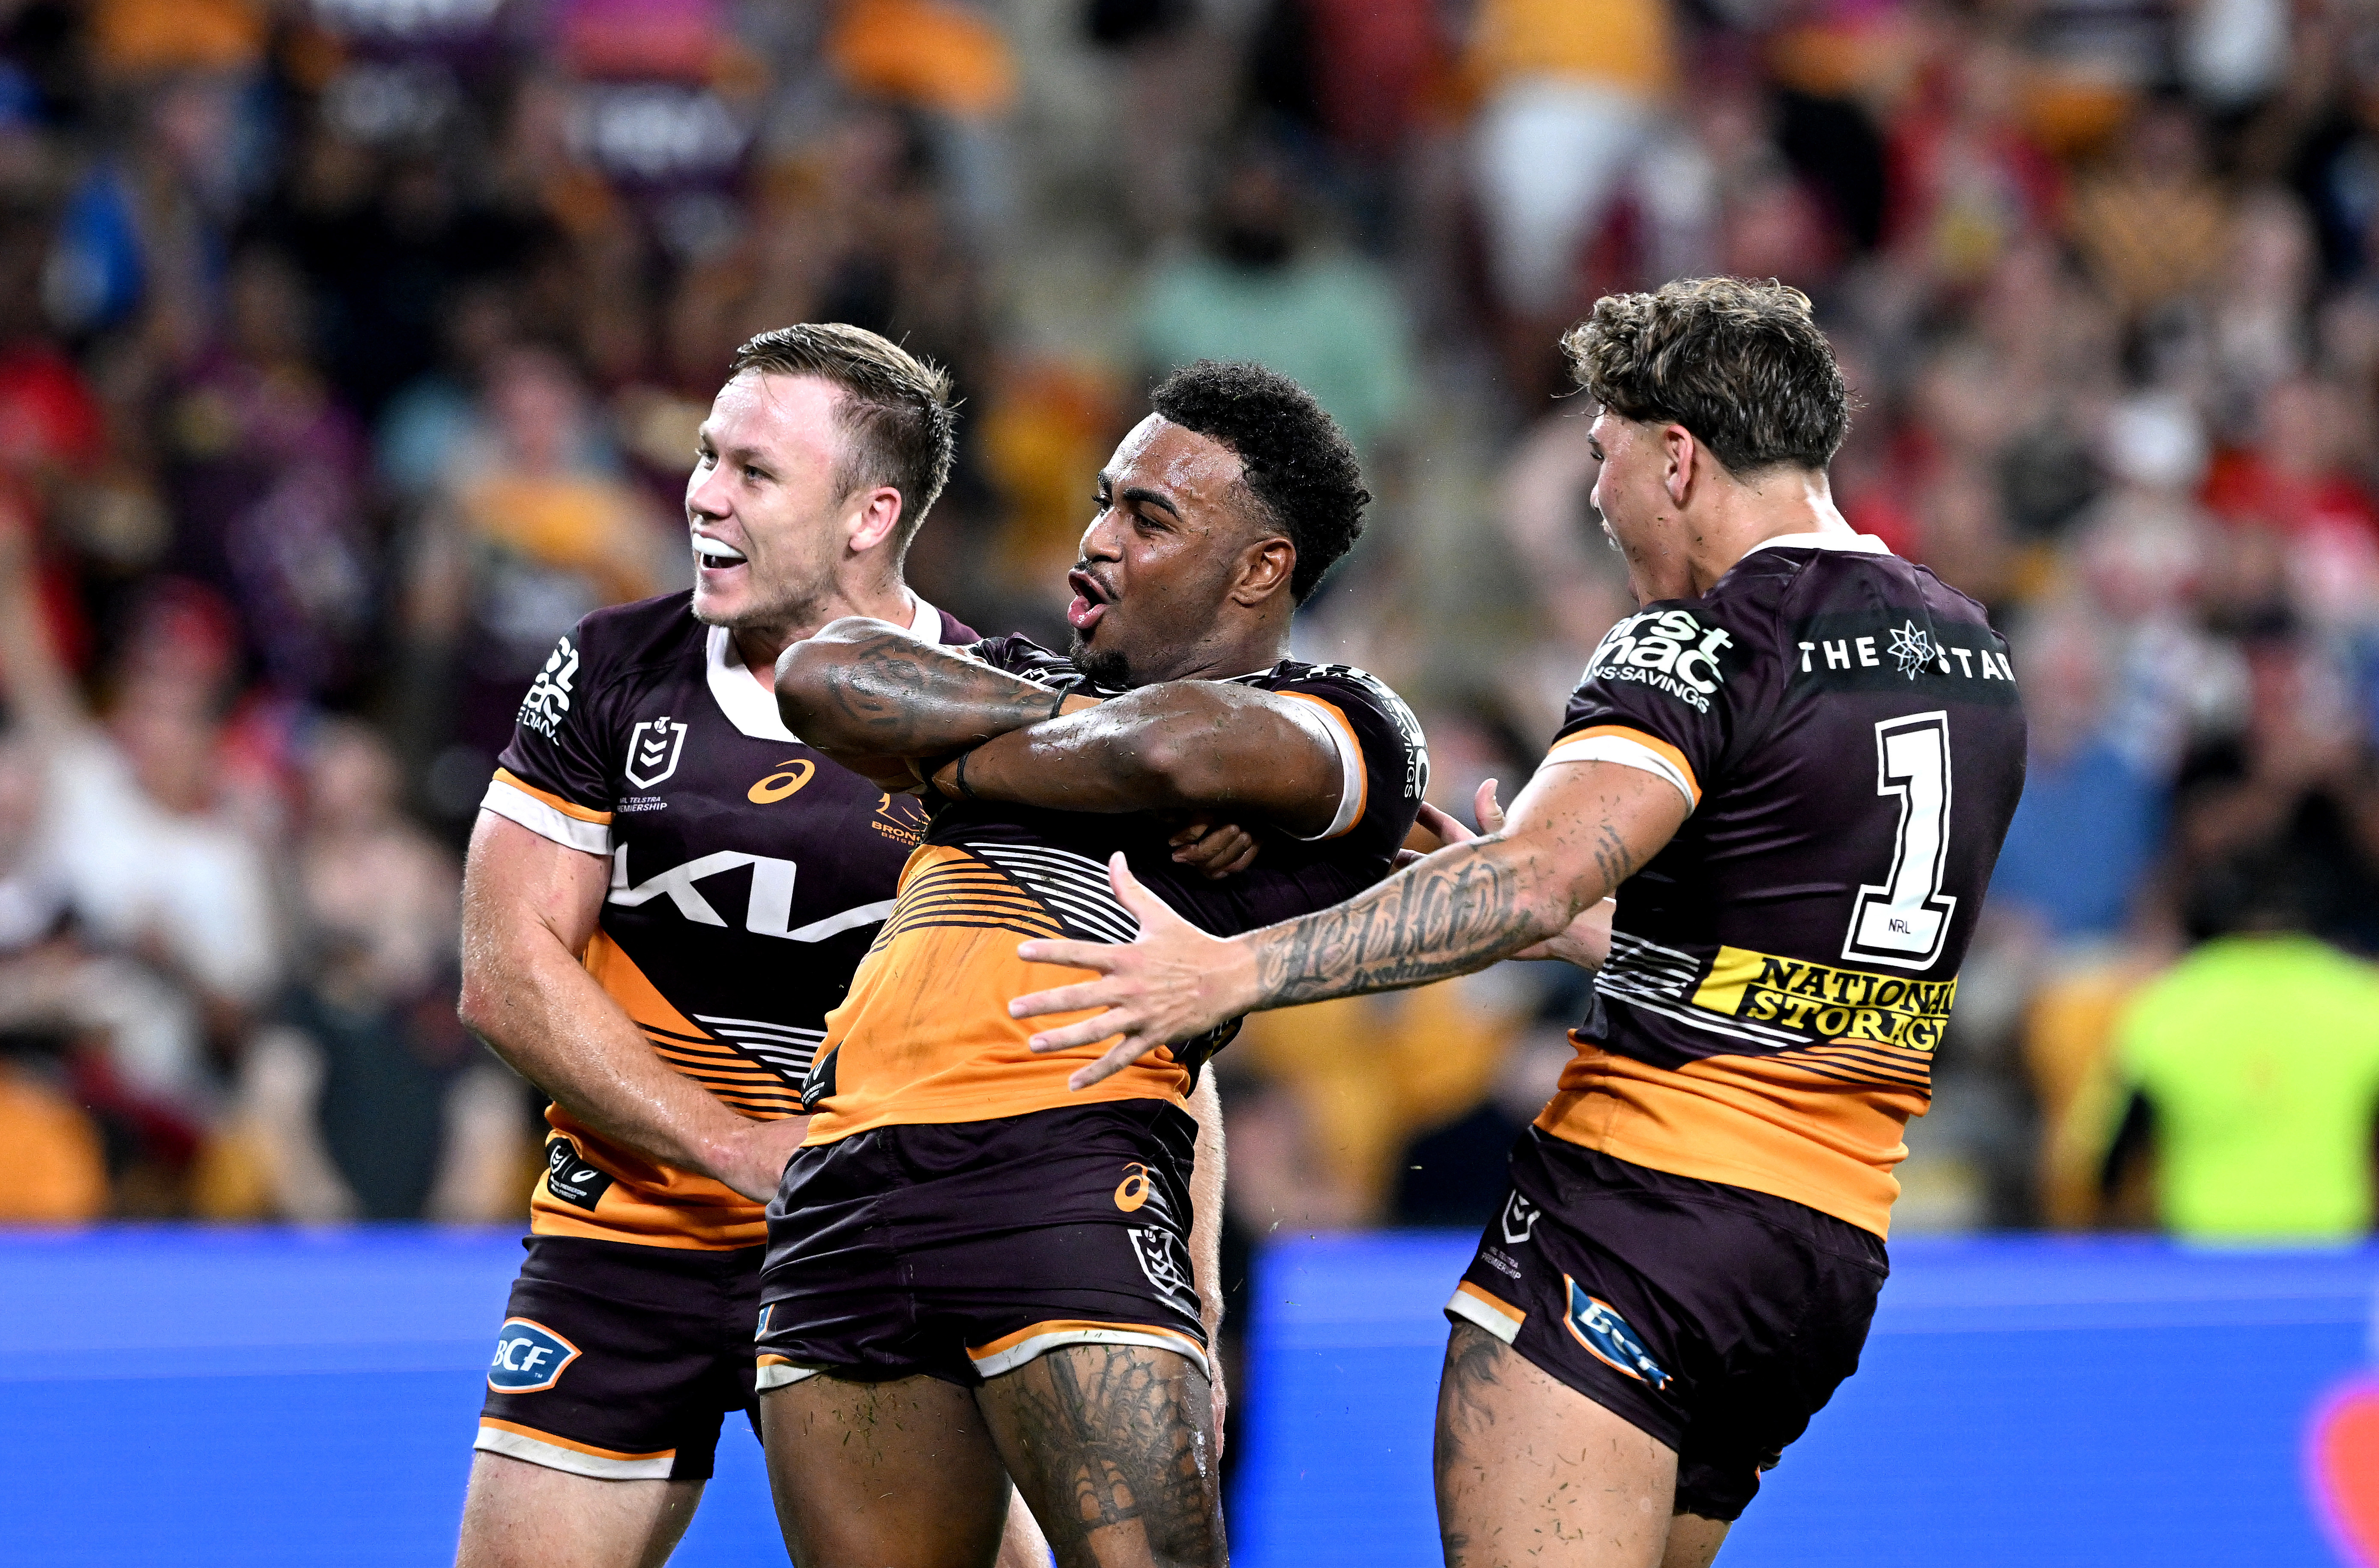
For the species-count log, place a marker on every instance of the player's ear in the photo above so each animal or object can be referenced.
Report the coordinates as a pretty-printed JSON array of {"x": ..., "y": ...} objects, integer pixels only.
[
  {"x": 873, "y": 516},
  {"x": 1678, "y": 451},
  {"x": 1264, "y": 571}
]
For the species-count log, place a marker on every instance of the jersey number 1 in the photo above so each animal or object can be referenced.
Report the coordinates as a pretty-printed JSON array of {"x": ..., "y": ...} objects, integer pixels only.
[{"x": 1905, "y": 921}]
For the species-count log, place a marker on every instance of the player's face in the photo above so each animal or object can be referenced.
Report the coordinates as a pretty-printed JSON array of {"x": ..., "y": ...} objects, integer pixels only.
[
  {"x": 763, "y": 502},
  {"x": 1170, "y": 539},
  {"x": 1638, "y": 515}
]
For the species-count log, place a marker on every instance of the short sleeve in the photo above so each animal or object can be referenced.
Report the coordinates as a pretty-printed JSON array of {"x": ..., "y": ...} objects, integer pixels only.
[
  {"x": 1665, "y": 693},
  {"x": 1383, "y": 757},
  {"x": 556, "y": 778}
]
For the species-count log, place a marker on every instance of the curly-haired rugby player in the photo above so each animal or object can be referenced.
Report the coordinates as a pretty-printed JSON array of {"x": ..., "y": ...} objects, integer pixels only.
[
  {"x": 1793, "y": 766},
  {"x": 974, "y": 1273}
]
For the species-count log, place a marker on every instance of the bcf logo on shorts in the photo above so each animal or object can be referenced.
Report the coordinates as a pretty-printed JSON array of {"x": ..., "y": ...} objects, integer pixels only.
[{"x": 529, "y": 1357}]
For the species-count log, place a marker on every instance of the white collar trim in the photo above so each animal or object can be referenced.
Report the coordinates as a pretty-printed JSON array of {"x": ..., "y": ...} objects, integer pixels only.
[
  {"x": 749, "y": 705},
  {"x": 1831, "y": 539}
]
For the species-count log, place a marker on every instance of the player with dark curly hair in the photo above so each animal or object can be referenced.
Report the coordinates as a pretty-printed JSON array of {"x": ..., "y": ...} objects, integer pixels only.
[{"x": 974, "y": 1272}]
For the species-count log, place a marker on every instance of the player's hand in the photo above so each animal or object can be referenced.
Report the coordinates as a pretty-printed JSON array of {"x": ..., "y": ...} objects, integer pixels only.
[
  {"x": 1214, "y": 850},
  {"x": 753, "y": 1158},
  {"x": 1175, "y": 983},
  {"x": 1447, "y": 827}
]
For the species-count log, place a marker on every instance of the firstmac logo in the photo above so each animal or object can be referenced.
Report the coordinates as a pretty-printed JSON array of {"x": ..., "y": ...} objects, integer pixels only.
[{"x": 529, "y": 1357}]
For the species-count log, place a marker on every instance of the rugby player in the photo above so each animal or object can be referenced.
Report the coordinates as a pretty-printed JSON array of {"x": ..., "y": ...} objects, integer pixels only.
[
  {"x": 665, "y": 894},
  {"x": 974, "y": 1273},
  {"x": 1793, "y": 766}
]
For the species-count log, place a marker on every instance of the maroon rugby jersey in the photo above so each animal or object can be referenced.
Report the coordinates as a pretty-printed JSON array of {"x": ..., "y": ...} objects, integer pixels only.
[
  {"x": 925, "y": 1036},
  {"x": 748, "y": 874},
  {"x": 1849, "y": 735}
]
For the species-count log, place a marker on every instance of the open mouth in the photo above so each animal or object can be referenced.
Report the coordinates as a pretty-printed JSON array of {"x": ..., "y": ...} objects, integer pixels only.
[
  {"x": 709, "y": 551},
  {"x": 1090, "y": 600}
]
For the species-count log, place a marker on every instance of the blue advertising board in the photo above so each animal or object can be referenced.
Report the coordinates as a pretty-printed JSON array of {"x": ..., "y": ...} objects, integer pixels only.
[{"x": 282, "y": 1398}]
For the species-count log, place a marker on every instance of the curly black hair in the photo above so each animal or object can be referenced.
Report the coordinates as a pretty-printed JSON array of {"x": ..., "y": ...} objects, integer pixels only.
[{"x": 1299, "y": 465}]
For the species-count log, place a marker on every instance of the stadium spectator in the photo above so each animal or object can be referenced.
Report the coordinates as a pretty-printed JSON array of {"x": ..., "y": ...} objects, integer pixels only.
[
  {"x": 1260, "y": 290},
  {"x": 365, "y": 1096},
  {"x": 2246, "y": 1075}
]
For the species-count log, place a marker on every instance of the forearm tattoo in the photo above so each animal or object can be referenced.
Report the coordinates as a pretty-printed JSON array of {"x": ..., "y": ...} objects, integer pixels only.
[
  {"x": 1458, "y": 910},
  {"x": 892, "y": 695}
]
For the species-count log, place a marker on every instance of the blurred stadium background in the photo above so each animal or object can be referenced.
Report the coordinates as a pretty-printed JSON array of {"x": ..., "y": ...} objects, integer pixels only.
[{"x": 350, "y": 349}]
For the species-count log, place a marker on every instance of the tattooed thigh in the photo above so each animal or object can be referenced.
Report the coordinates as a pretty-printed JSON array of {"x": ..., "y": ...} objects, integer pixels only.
[{"x": 1112, "y": 1447}]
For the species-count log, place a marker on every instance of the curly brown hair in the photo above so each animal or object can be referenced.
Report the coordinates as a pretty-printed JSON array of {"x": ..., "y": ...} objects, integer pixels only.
[
  {"x": 898, "y": 423},
  {"x": 1739, "y": 363}
]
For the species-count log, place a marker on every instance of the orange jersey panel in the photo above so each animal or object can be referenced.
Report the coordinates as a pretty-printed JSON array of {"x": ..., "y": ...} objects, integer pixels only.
[
  {"x": 1822, "y": 1124},
  {"x": 647, "y": 1202},
  {"x": 924, "y": 1035}
]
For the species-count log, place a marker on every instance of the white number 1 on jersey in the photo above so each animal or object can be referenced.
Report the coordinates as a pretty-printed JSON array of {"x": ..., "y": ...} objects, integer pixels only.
[{"x": 1905, "y": 921}]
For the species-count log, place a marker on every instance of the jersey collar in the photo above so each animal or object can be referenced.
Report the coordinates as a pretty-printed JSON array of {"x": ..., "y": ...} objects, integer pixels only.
[
  {"x": 748, "y": 706},
  {"x": 1858, "y": 544}
]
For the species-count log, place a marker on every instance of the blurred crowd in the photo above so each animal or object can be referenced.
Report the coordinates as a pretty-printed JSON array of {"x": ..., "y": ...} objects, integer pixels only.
[{"x": 351, "y": 349}]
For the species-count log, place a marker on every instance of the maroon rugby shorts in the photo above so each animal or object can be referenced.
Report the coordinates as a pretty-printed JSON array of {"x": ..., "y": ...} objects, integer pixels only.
[
  {"x": 962, "y": 1250},
  {"x": 620, "y": 1361},
  {"x": 1716, "y": 1319}
]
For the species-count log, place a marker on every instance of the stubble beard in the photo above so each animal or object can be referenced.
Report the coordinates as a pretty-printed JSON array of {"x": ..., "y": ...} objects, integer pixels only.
[
  {"x": 768, "y": 618},
  {"x": 1101, "y": 666}
]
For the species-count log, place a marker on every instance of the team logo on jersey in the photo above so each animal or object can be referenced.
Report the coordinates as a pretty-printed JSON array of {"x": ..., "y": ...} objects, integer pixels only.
[
  {"x": 1669, "y": 650},
  {"x": 654, "y": 747},
  {"x": 529, "y": 1357},
  {"x": 1164, "y": 1259},
  {"x": 791, "y": 775},
  {"x": 1520, "y": 1218},
  {"x": 1594, "y": 1324},
  {"x": 547, "y": 701}
]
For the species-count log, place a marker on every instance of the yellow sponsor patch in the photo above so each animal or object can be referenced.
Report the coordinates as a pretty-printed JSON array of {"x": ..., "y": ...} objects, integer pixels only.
[{"x": 1828, "y": 1003}]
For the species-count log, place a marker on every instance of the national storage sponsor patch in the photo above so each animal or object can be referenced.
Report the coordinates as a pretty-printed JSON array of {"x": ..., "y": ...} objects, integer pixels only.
[{"x": 1828, "y": 1003}]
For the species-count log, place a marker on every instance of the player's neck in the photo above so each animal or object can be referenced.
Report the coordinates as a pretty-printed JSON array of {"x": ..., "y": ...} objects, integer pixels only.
[
  {"x": 884, "y": 598},
  {"x": 1792, "y": 501},
  {"x": 1230, "y": 654}
]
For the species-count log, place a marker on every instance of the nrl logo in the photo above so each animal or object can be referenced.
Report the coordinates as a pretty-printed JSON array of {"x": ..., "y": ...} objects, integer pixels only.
[{"x": 653, "y": 748}]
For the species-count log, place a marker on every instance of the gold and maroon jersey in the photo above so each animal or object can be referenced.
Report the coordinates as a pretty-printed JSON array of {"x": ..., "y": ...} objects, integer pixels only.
[
  {"x": 925, "y": 1035},
  {"x": 1847, "y": 734},
  {"x": 748, "y": 874}
]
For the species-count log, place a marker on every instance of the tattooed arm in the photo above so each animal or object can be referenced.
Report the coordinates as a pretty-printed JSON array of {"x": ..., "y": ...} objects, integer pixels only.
[
  {"x": 873, "y": 697},
  {"x": 1576, "y": 832},
  {"x": 1255, "y": 756}
]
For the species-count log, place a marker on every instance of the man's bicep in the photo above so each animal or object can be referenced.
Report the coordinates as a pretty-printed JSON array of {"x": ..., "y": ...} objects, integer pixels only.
[
  {"x": 1602, "y": 821},
  {"x": 1307, "y": 768},
  {"x": 515, "y": 877}
]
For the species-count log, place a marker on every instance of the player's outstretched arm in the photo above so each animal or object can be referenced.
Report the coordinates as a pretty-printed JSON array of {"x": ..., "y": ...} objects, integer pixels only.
[
  {"x": 1254, "y": 757},
  {"x": 529, "y": 908},
  {"x": 865, "y": 692},
  {"x": 1576, "y": 832}
]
